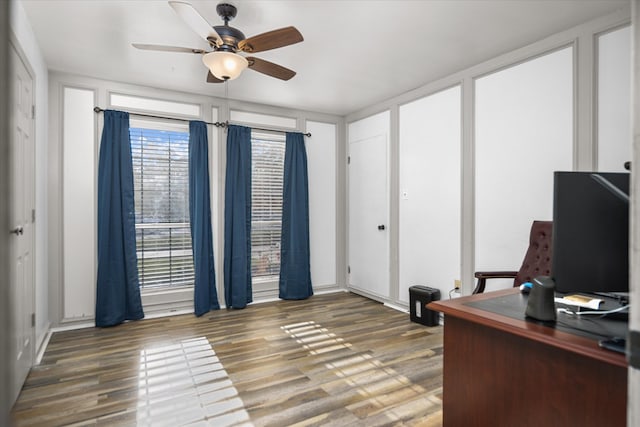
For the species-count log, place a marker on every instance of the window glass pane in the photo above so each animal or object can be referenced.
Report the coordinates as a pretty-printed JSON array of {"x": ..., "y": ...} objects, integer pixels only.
[
  {"x": 267, "y": 153},
  {"x": 161, "y": 189}
]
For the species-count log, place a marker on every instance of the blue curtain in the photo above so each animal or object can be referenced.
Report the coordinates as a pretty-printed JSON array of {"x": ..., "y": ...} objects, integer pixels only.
[
  {"x": 205, "y": 296},
  {"x": 295, "y": 269},
  {"x": 118, "y": 289},
  {"x": 237, "y": 218}
]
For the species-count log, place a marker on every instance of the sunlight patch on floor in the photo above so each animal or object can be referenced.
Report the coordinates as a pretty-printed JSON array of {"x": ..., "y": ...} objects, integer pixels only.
[
  {"x": 184, "y": 384},
  {"x": 314, "y": 337},
  {"x": 385, "y": 389}
]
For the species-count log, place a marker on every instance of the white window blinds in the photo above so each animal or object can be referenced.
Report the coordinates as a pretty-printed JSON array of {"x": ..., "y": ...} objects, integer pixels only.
[
  {"x": 267, "y": 172},
  {"x": 161, "y": 186}
]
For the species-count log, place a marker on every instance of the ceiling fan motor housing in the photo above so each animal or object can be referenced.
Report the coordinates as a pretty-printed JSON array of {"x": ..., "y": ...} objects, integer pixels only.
[{"x": 230, "y": 38}]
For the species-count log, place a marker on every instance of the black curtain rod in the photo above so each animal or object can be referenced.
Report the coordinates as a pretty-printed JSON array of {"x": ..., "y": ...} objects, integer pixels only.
[{"x": 216, "y": 124}]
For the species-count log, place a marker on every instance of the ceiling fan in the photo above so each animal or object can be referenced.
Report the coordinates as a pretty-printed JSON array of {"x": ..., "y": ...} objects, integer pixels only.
[{"x": 224, "y": 60}]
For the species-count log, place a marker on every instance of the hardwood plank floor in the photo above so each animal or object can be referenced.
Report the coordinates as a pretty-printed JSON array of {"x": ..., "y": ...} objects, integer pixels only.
[{"x": 334, "y": 359}]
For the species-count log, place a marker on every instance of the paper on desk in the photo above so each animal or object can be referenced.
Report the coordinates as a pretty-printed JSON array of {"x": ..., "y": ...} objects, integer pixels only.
[{"x": 580, "y": 301}]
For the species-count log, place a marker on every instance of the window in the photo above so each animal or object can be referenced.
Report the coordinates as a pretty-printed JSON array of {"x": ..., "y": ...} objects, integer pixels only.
[
  {"x": 161, "y": 186},
  {"x": 267, "y": 170}
]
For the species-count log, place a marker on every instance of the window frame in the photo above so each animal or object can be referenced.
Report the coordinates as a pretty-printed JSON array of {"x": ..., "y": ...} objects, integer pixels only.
[
  {"x": 263, "y": 282},
  {"x": 162, "y": 125}
]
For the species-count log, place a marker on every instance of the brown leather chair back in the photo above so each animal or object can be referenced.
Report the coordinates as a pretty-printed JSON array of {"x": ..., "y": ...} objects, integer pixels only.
[{"x": 537, "y": 260}]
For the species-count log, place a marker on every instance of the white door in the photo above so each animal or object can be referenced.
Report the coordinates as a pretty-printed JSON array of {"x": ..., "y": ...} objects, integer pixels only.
[
  {"x": 369, "y": 216},
  {"x": 22, "y": 217}
]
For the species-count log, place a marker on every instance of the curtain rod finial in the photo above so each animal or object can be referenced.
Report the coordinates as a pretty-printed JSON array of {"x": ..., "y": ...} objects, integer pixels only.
[{"x": 97, "y": 109}]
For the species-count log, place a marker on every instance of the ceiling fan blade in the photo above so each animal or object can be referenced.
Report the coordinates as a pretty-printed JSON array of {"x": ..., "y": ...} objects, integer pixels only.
[
  {"x": 270, "y": 69},
  {"x": 194, "y": 20},
  {"x": 163, "y": 48},
  {"x": 213, "y": 79},
  {"x": 271, "y": 40}
]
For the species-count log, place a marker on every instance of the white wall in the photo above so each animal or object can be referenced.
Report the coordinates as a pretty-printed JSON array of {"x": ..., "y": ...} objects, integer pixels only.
[
  {"x": 79, "y": 159},
  {"x": 430, "y": 192},
  {"x": 523, "y": 133},
  {"x": 321, "y": 165},
  {"x": 524, "y": 114},
  {"x": 27, "y": 45},
  {"x": 614, "y": 99}
]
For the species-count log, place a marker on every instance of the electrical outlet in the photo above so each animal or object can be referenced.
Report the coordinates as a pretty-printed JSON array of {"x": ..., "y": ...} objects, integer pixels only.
[{"x": 456, "y": 283}]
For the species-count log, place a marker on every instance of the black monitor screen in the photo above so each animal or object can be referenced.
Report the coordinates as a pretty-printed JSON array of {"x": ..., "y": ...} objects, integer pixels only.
[{"x": 591, "y": 232}]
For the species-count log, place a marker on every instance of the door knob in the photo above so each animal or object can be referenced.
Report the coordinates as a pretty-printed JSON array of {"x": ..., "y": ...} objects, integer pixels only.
[
  {"x": 381, "y": 227},
  {"x": 17, "y": 231}
]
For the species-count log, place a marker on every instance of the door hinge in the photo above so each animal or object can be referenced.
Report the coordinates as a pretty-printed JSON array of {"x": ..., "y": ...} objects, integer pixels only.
[
  {"x": 33, "y": 320},
  {"x": 349, "y": 269},
  {"x": 33, "y": 215},
  {"x": 33, "y": 112},
  {"x": 348, "y": 160}
]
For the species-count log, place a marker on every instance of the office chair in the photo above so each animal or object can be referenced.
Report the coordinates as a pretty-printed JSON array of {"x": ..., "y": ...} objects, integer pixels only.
[{"x": 537, "y": 260}]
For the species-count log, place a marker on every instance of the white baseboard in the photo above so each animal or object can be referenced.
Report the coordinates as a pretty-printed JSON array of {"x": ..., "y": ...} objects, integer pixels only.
[
  {"x": 73, "y": 327},
  {"x": 396, "y": 307},
  {"x": 43, "y": 346}
]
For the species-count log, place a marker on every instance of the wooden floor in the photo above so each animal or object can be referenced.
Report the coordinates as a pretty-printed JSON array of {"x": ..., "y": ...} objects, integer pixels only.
[{"x": 334, "y": 359}]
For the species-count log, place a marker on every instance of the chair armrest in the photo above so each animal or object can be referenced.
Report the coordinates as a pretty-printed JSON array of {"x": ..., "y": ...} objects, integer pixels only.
[
  {"x": 496, "y": 274},
  {"x": 482, "y": 277}
]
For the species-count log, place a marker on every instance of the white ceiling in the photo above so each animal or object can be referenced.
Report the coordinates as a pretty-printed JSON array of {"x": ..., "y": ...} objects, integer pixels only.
[{"x": 355, "y": 52}]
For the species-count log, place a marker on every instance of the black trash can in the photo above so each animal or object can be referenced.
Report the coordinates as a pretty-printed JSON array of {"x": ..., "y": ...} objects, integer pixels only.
[{"x": 419, "y": 297}]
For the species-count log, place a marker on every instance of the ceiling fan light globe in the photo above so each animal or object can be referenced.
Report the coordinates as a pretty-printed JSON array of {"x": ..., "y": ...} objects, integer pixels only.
[{"x": 225, "y": 65}]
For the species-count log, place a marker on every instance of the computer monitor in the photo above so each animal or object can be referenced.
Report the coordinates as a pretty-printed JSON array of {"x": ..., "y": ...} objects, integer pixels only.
[{"x": 591, "y": 232}]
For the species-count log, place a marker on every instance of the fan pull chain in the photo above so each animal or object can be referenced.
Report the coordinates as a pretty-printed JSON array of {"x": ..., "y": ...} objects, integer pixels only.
[{"x": 226, "y": 97}]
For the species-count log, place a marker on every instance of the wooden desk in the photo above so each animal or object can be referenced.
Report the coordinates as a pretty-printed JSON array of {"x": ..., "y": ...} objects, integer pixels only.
[{"x": 500, "y": 370}]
